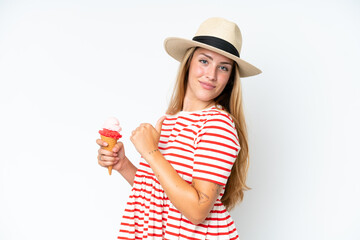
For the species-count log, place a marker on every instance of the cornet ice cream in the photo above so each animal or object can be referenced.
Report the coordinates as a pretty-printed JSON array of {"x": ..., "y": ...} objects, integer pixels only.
[{"x": 110, "y": 134}]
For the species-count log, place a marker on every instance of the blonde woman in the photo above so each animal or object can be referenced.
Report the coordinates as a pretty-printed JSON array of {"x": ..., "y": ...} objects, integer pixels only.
[{"x": 195, "y": 160}]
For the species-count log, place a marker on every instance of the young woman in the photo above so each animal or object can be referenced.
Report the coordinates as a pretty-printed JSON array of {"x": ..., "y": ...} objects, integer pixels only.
[{"x": 195, "y": 160}]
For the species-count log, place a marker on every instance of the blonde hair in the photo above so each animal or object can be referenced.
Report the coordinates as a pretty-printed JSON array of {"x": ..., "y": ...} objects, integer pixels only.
[{"x": 231, "y": 100}]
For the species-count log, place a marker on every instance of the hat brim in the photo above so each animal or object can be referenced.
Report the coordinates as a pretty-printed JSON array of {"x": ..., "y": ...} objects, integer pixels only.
[{"x": 177, "y": 47}]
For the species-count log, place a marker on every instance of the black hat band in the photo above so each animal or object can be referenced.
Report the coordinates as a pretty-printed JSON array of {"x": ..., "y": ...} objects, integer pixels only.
[{"x": 218, "y": 43}]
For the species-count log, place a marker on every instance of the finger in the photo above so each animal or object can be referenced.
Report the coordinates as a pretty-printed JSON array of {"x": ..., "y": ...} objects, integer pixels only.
[
  {"x": 118, "y": 146},
  {"x": 101, "y": 143},
  {"x": 133, "y": 132},
  {"x": 159, "y": 124},
  {"x": 105, "y": 152},
  {"x": 104, "y": 158},
  {"x": 107, "y": 163}
]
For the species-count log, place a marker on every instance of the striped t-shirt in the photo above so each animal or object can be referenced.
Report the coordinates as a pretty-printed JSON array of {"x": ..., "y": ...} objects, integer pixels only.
[{"x": 201, "y": 145}]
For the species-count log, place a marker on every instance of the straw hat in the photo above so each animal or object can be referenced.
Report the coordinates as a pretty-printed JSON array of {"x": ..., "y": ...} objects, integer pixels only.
[{"x": 218, "y": 35}]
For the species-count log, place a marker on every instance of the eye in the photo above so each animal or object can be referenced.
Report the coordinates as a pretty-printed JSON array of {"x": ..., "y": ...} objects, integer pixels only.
[
  {"x": 203, "y": 61},
  {"x": 224, "y": 68}
]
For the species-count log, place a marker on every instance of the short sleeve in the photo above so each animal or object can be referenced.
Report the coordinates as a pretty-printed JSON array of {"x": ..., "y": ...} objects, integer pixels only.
[{"x": 216, "y": 149}]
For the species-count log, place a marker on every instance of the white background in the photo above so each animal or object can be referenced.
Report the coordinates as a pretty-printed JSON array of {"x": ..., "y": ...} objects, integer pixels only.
[{"x": 65, "y": 66}]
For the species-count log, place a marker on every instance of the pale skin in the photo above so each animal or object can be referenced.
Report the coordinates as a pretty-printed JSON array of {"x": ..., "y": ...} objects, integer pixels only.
[{"x": 208, "y": 75}]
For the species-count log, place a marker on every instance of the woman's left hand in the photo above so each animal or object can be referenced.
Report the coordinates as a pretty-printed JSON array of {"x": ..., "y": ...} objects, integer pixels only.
[{"x": 146, "y": 138}]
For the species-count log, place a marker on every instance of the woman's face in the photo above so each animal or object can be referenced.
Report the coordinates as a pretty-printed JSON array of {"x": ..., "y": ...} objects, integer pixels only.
[{"x": 209, "y": 73}]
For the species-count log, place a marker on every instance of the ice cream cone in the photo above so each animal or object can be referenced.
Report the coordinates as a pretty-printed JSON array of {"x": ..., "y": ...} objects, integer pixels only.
[
  {"x": 111, "y": 144},
  {"x": 110, "y": 134}
]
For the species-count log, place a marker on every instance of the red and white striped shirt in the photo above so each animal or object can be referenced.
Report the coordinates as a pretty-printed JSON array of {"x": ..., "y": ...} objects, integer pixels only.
[{"x": 201, "y": 145}]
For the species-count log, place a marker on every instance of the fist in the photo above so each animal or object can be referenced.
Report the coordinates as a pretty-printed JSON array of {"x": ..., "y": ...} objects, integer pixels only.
[{"x": 146, "y": 138}]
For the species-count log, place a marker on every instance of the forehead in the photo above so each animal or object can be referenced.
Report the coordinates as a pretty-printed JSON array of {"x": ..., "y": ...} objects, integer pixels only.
[{"x": 212, "y": 54}]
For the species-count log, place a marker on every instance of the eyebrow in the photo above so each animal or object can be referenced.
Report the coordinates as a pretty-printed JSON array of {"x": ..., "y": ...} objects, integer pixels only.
[{"x": 213, "y": 59}]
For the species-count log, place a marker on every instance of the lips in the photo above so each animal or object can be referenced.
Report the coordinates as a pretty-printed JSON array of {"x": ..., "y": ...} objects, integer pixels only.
[{"x": 207, "y": 86}]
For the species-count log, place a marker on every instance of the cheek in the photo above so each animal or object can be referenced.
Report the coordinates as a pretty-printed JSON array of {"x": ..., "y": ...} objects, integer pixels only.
[
  {"x": 223, "y": 80},
  {"x": 196, "y": 71}
]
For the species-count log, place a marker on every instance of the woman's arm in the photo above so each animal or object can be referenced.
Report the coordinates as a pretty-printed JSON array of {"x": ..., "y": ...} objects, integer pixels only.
[
  {"x": 128, "y": 171},
  {"x": 193, "y": 201}
]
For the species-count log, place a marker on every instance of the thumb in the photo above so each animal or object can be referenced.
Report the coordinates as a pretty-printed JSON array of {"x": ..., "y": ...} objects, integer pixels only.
[{"x": 159, "y": 124}]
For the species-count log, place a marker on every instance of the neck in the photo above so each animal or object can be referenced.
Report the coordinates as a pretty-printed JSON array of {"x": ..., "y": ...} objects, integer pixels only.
[{"x": 190, "y": 105}]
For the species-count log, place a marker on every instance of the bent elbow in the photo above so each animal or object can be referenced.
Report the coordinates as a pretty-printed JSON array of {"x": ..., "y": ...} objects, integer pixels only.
[
  {"x": 197, "y": 218},
  {"x": 197, "y": 222}
]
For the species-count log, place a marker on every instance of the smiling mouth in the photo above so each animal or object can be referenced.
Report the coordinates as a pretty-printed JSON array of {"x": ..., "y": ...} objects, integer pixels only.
[{"x": 207, "y": 86}]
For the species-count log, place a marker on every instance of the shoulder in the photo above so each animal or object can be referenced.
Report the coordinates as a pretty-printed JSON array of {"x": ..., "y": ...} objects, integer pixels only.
[
  {"x": 219, "y": 126},
  {"x": 219, "y": 117}
]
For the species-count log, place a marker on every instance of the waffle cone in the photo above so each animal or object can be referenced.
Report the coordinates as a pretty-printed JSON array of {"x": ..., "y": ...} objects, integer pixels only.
[{"x": 111, "y": 144}]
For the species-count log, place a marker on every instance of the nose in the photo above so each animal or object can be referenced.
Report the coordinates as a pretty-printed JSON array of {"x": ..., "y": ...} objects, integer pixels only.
[{"x": 211, "y": 73}]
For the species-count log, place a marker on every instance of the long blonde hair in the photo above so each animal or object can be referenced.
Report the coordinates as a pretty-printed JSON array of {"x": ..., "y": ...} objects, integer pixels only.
[{"x": 231, "y": 100}]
